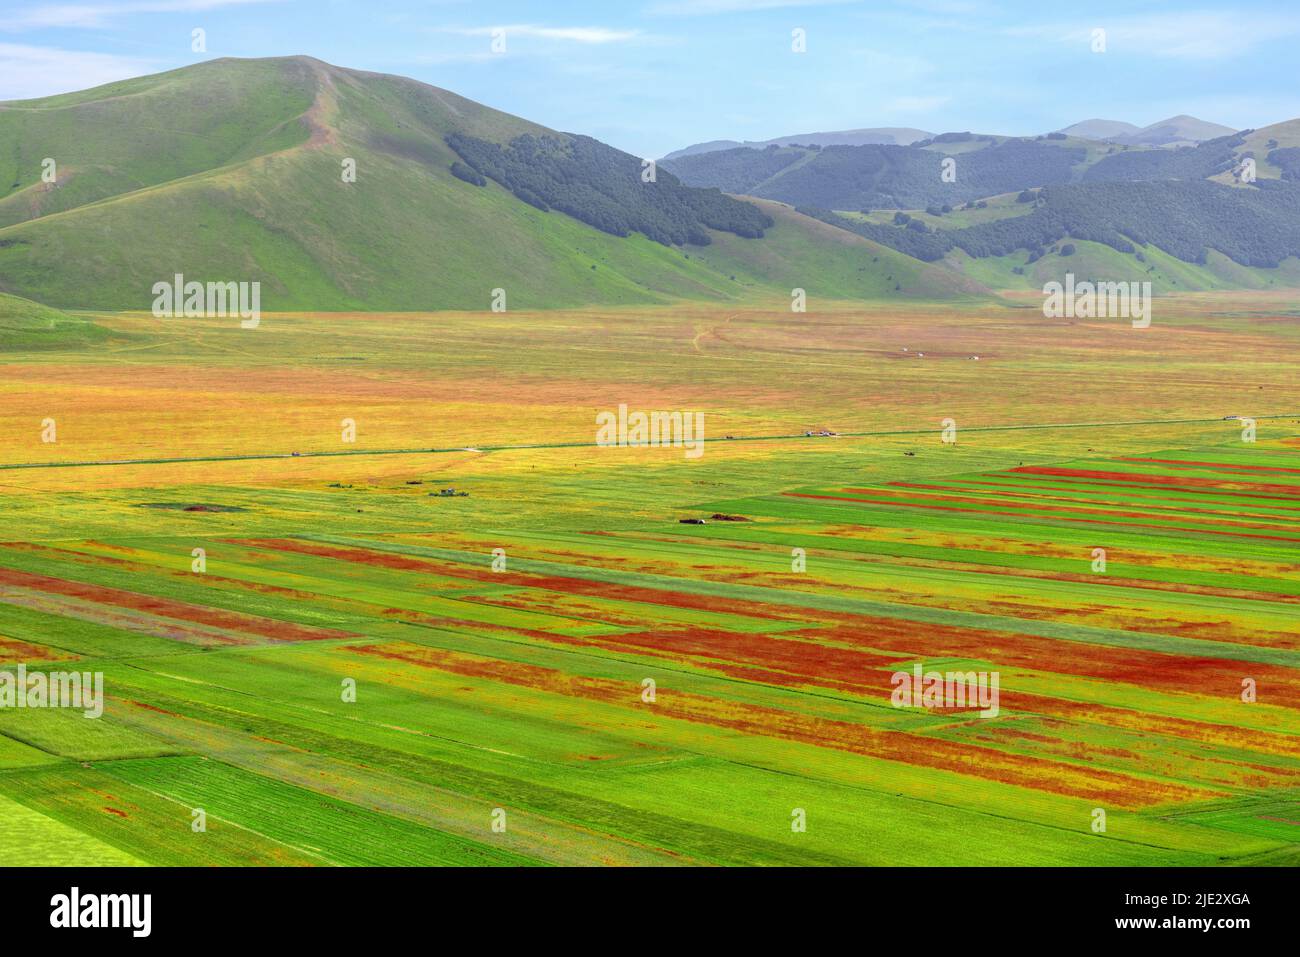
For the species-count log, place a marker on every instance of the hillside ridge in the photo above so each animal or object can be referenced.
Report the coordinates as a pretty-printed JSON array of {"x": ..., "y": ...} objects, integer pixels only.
[{"x": 249, "y": 181}]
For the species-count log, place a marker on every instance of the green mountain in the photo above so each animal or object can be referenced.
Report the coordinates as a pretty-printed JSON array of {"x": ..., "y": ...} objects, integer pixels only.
[{"x": 236, "y": 170}]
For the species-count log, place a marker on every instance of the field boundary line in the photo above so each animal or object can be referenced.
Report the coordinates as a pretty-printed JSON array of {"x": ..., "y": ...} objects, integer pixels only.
[
  {"x": 256, "y": 456},
  {"x": 1086, "y": 634}
]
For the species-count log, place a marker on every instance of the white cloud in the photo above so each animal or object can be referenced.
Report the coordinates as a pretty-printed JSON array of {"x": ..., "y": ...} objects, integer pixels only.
[
  {"x": 689, "y": 8},
  {"x": 28, "y": 72},
  {"x": 947, "y": 6},
  {"x": 94, "y": 16},
  {"x": 590, "y": 35},
  {"x": 1190, "y": 34}
]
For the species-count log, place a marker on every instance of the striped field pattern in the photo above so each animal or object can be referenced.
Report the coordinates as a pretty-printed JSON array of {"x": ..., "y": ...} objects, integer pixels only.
[
  {"x": 554, "y": 669},
  {"x": 522, "y": 689}
]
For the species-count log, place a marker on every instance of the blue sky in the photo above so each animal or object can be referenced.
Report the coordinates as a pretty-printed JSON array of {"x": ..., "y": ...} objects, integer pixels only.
[{"x": 650, "y": 76}]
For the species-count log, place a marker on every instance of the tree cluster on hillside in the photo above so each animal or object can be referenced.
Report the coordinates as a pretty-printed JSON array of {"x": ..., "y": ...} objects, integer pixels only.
[
  {"x": 605, "y": 188},
  {"x": 1189, "y": 162},
  {"x": 461, "y": 171},
  {"x": 926, "y": 246},
  {"x": 884, "y": 176},
  {"x": 739, "y": 170},
  {"x": 1254, "y": 227},
  {"x": 1287, "y": 160}
]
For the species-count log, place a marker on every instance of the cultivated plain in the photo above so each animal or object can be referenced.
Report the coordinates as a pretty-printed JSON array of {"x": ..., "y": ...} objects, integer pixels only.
[{"x": 518, "y": 695}]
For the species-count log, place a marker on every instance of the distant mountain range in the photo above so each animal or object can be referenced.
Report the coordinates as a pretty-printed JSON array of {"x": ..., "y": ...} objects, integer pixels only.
[
  {"x": 979, "y": 166},
  {"x": 1176, "y": 131},
  {"x": 894, "y": 136},
  {"x": 1142, "y": 210}
]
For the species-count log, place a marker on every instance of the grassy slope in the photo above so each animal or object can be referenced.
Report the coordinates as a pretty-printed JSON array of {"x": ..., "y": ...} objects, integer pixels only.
[
  {"x": 1286, "y": 134},
  {"x": 27, "y": 325},
  {"x": 835, "y": 264},
  {"x": 140, "y": 133},
  {"x": 1002, "y": 206},
  {"x": 262, "y": 199},
  {"x": 1167, "y": 274}
]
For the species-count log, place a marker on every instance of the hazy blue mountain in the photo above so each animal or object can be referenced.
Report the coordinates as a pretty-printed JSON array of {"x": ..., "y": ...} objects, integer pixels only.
[{"x": 885, "y": 135}]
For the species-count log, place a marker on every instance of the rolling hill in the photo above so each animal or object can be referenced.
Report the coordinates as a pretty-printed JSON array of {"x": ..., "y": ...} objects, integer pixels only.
[
  {"x": 26, "y": 326},
  {"x": 233, "y": 170},
  {"x": 1096, "y": 129},
  {"x": 1181, "y": 130},
  {"x": 1176, "y": 131},
  {"x": 1275, "y": 149}
]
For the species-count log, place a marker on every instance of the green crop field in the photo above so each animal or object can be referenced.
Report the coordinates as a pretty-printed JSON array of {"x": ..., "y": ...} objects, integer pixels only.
[{"x": 311, "y": 656}]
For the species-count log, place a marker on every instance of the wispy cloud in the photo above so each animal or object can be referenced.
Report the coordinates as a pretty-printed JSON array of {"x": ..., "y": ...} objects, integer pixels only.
[
  {"x": 589, "y": 35},
  {"x": 695, "y": 8},
  {"x": 27, "y": 72},
  {"x": 886, "y": 64},
  {"x": 1190, "y": 34},
  {"x": 96, "y": 16},
  {"x": 947, "y": 6},
  {"x": 916, "y": 104}
]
